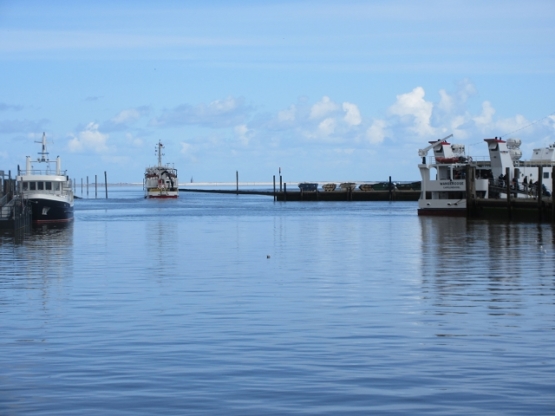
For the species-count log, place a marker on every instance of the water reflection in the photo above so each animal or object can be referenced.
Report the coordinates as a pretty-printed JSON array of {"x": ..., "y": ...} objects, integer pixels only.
[
  {"x": 42, "y": 260},
  {"x": 484, "y": 263},
  {"x": 162, "y": 246}
]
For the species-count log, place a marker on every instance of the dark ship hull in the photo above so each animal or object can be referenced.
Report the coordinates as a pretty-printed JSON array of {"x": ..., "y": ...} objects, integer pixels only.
[{"x": 47, "y": 211}]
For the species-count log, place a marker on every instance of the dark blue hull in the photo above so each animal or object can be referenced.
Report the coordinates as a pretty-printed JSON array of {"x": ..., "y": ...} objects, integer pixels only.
[{"x": 51, "y": 211}]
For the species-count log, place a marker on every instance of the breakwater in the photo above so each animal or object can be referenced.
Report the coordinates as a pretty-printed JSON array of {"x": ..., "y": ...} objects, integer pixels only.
[{"x": 297, "y": 195}]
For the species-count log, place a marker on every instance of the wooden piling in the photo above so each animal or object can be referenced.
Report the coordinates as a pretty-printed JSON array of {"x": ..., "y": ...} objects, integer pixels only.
[
  {"x": 284, "y": 191},
  {"x": 508, "y": 190},
  {"x": 106, "y": 184},
  {"x": 539, "y": 191},
  {"x": 553, "y": 194},
  {"x": 95, "y": 186},
  {"x": 470, "y": 186},
  {"x": 274, "y": 188},
  {"x": 390, "y": 187},
  {"x": 237, "y": 182}
]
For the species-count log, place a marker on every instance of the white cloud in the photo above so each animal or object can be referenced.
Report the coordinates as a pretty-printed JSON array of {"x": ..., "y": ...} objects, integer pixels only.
[
  {"x": 322, "y": 108},
  {"x": 89, "y": 139},
  {"x": 466, "y": 89},
  {"x": 243, "y": 133},
  {"x": 411, "y": 107},
  {"x": 327, "y": 127},
  {"x": 485, "y": 119},
  {"x": 133, "y": 141},
  {"x": 126, "y": 116},
  {"x": 185, "y": 148},
  {"x": 376, "y": 132},
  {"x": 287, "y": 115},
  {"x": 352, "y": 114},
  {"x": 446, "y": 103},
  {"x": 223, "y": 113}
]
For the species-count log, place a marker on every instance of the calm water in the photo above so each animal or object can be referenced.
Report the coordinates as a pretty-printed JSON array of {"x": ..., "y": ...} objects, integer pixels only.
[{"x": 173, "y": 307}]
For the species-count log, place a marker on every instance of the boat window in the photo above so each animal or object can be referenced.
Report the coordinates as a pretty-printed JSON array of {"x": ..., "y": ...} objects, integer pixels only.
[
  {"x": 40, "y": 186},
  {"x": 32, "y": 186},
  {"x": 25, "y": 186},
  {"x": 56, "y": 186},
  {"x": 48, "y": 186},
  {"x": 546, "y": 175}
]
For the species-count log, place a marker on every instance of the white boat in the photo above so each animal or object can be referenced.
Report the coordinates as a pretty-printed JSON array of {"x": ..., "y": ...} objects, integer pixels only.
[
  {"x": 329, "y": 187},
  {"x": 161, "y": 180},
  {"x": 444, "y": 184},
  {"x": 48, "y": 190},
  {"x": 347, "y": 186}
]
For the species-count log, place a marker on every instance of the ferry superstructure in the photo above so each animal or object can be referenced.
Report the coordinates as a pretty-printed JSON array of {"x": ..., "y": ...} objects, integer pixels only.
[
  {"x": 161, "y": 181},
  {"x": 444, "y": 182},
  {"x": 49, "y": 190}
]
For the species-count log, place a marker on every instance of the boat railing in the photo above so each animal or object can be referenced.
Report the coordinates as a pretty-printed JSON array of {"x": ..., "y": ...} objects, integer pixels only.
[
  {"x": 3, "y": 200},
  {"x": 42, "y": 172},
  {"x": 533, "y": 164},
  {"x": 464, "y": 160}
]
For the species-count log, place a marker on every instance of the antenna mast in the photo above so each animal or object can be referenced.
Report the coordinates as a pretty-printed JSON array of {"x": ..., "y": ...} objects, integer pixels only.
[{"x": 44, "y": 153}]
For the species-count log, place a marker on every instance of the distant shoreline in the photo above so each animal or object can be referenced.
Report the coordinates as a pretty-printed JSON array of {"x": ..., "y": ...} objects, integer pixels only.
[{"x": 241, "y": 184}]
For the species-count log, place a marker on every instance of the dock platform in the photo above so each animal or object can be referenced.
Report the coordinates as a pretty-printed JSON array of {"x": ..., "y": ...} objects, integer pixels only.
[{"x": 354, "y": 195}]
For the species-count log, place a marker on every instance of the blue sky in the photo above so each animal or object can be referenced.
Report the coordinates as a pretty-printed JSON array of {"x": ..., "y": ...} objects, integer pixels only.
[{"x": 326, "y": 90}]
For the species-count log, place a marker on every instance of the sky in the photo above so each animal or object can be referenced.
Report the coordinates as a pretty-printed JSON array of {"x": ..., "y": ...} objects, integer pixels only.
[{"x": 323, "y": 90}]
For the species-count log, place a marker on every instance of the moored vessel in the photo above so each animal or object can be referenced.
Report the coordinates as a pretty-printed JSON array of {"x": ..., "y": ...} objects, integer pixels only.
[
  {"x": 308, "y": 186},
  {"x": 347, "y": 186},
  {"x": 161, "y": 181},
  {"x": 444, "y": 185},
  {"x": 48, "y": 190}
]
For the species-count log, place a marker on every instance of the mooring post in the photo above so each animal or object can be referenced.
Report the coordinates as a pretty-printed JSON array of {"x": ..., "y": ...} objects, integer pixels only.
[
  {"x": 539, "y": 191},
  {"x": 508, "y": 189},
  {"x": 280, "y": 183},
  {"x": 237, "y": 182},
  {"x": 390, "y": 188},
  {"x": 285, "y": 191},
  {"x": 95, "y": 186},
  {"x": 274, "y": 188},
  {"x": 517, "y": 175},
  {"x": 553, "y": 194},
  {"x": 87, "y": 186},
  {"x": 106, "y": 184},
  {"x": 81, "y": 186},
  {"x": 468, "y": 188}
]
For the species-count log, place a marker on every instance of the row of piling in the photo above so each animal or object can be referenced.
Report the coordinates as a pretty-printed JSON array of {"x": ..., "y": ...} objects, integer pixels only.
[{"x": 540, "y": 207}]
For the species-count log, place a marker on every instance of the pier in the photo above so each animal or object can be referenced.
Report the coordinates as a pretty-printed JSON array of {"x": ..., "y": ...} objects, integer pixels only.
[
  {"x": 516, "y": 205},
  {"x": 341, "y": 195},
  {"x": 15, "y": 213}
]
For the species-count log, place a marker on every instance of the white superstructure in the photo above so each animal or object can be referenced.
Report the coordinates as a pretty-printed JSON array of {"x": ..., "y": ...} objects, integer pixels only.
[
  {"x": 161, "y": 181},
  {"x": 48, "y": 189},
  {"x": 444, "y": 182}
]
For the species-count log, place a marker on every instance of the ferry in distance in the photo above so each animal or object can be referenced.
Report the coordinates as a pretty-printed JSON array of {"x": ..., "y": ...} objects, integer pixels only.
[{"x": 160, "y": 181}]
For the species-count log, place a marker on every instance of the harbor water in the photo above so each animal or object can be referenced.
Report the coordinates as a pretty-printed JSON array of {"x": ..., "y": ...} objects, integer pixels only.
[{"x": 239, "y": 305}]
